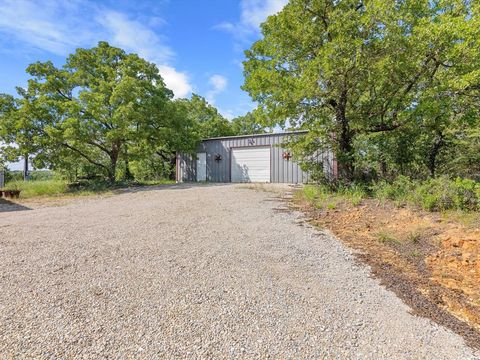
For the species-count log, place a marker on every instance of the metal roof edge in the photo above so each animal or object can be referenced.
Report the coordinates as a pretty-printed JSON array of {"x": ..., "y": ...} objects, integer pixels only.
[{"x": 257, "y": 135}]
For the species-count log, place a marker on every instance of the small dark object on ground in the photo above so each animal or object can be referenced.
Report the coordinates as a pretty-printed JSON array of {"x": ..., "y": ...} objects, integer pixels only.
[
  {"x": 10, "y": 193},
  {"x": 77, "y": 185}
]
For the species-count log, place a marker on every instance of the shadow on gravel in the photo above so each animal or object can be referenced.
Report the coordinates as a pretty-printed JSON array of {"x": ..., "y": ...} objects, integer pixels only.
[{"x": 8, "y": 206}]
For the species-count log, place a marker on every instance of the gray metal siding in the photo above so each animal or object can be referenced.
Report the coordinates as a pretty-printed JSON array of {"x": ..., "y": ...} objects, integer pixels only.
[{"x": 281, "y": 170}]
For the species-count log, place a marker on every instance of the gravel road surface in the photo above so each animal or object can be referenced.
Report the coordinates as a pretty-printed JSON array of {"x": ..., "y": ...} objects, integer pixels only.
[{"x": 195, "y": 272}]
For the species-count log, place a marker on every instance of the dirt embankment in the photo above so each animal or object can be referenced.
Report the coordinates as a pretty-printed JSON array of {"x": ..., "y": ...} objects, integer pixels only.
[{"x": 431, "y": 262}]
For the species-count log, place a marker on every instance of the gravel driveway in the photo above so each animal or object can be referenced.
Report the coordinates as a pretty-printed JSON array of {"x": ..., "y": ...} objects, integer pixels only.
[{"x": 195, "y": 272}]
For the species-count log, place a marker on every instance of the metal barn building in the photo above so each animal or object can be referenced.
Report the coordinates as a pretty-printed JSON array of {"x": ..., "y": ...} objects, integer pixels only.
[{"x": 248, "y": 158}]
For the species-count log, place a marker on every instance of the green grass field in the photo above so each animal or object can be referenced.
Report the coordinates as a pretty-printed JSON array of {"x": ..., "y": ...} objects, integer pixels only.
[
  {"x": 38, "y": 188},
  {"x": 56, "y": 187}
]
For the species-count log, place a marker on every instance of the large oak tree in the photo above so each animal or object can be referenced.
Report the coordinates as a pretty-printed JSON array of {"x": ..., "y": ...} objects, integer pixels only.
[
  {"x": 351, "y": 69},
  {"x": 102, "y": 105}
]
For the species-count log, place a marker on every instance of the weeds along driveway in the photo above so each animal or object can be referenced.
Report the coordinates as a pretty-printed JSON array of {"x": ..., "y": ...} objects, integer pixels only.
[{"x": 195, "y": 271}]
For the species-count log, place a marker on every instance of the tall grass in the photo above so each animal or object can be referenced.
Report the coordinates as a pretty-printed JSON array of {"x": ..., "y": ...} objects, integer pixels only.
[
  {"x": 354, "y": 193},
  {"x": 323, "y": 195},
  {"x": 439, "y": 194},
  {"x": 316, "y": 194},
  {"x": 57, "y": 187},
  {"x": 39, "y": 188}
]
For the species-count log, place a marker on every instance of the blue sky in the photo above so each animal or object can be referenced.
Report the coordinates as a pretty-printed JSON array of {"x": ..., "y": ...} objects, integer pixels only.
[{"x": 197, "y": 45}]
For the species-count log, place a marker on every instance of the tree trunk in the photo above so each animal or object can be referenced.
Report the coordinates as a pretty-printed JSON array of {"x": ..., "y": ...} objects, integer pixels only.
[
  {"x": 26, "y": 174},
  {"x": 383, "y": 168},
  {"x": 344, "y": 141},
  {"x": 345, "y": 157},
  {"x": 128, "y": 174},
  {"x": 382, "y": 160},
  {"x": 432, "y": 156},
  {"x": 112, "y": 173},
  {"x": 171, "y": 158}
]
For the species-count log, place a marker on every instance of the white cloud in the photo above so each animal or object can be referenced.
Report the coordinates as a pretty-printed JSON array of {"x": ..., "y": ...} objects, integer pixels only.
[
  {"x": 134, "y": 36},
  {"x": 59, "y": 27},
  {"x": 227, "y": 114},
  {"x": 218, "y": 84},
  {"x": 176, "y": 81},
  {"x": 252, "y": 14},
  {"x": 46, "y": 25}
]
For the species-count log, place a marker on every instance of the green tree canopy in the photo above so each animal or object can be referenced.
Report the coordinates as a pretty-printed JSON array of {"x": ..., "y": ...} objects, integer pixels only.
[
  {"x": 208, "y": 121},
  {"x": 351, "y": 70},
  {"x": 100, "y": 106},
  {"x": 247, "y": 124}
]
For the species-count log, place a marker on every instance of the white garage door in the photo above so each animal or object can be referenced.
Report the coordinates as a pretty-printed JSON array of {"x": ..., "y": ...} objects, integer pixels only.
[{"x": 251, "y": 164}]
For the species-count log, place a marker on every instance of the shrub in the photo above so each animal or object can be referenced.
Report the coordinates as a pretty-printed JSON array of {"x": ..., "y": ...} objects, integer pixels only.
[
  {"x": 400, "y": 190},
  {"x": 445, "y": 194},
  {"x": 11, "y": 176},
  {"x": 39, "y": 175},
  {"x": 437, "y": 194},
  {"x": 466, "y": 194}
]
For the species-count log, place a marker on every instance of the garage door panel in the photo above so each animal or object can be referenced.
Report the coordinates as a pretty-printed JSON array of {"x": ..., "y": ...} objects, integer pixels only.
[{"x": 251, "y": 164}]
